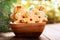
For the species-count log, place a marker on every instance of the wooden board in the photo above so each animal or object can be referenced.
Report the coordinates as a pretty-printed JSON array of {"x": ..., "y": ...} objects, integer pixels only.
[{"x": 52, "y": 31}]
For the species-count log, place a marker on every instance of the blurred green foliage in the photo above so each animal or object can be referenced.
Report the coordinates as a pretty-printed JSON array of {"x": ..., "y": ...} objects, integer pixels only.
[
  {"x": 5, "y": 6},
  {"x": 51, "y": 16}
]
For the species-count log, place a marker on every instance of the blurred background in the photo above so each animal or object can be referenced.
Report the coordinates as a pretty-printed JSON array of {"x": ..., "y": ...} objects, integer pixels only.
[{"x": 6, "y": 8}]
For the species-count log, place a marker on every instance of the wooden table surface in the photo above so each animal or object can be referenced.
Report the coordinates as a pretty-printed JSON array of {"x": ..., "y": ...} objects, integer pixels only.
[{"x": 51, "y": 32}]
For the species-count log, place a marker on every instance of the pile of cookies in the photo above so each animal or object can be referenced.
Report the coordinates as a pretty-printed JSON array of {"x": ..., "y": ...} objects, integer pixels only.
[{"x": 22, "y": 15}]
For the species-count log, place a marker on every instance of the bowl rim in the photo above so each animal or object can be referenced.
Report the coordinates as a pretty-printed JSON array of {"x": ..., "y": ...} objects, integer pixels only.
[{"x": 28, "y": 23}]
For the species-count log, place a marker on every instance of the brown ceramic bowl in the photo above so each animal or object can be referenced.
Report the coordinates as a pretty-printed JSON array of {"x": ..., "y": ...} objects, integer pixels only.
[{"x": 28, "y": 29}]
